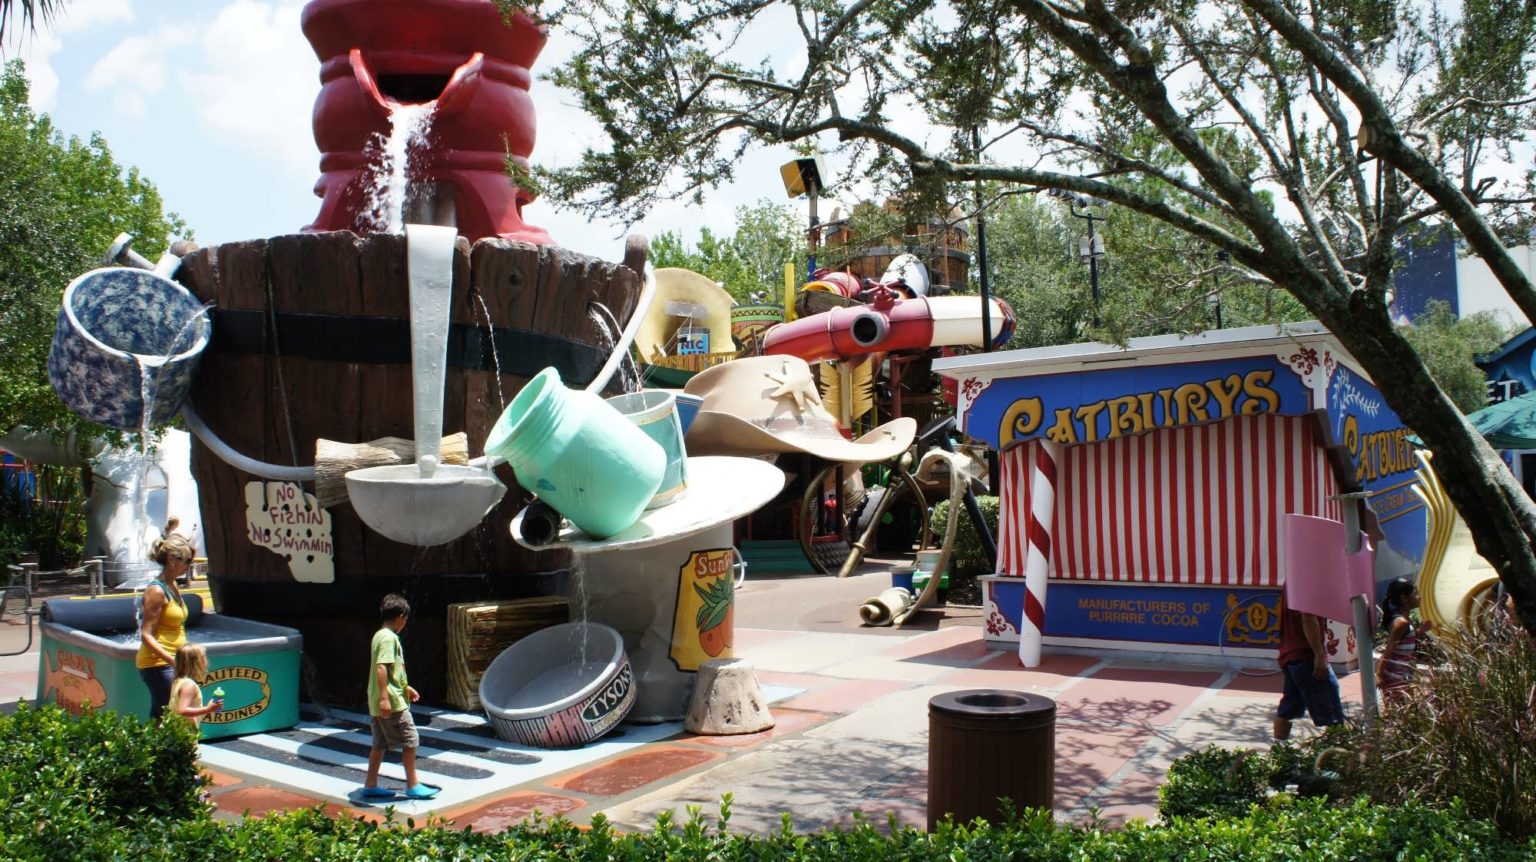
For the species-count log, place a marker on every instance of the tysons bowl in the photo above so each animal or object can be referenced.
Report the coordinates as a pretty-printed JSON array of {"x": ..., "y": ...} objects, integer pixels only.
[{"x": 560, "y": 687}]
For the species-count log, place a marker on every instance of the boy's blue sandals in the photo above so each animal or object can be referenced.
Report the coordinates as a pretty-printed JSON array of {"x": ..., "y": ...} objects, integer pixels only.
[
  {"x": 422, "y": 791},
  {"x": 377, "y": 793}
]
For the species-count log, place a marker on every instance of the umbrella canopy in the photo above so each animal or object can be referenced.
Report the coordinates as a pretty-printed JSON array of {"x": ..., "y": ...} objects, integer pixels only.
[{"x": 1509, "y": 424}]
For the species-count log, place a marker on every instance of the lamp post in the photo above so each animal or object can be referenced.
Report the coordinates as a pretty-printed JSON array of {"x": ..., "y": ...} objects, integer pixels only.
[
  {"x": 1221, "y": 258},
  {"x": 804, "y": 177},
  {"x": 1091, "y": 249}
]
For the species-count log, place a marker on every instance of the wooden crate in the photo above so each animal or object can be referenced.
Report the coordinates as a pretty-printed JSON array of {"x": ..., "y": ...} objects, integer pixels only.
[{"x": 479, "y": 631}]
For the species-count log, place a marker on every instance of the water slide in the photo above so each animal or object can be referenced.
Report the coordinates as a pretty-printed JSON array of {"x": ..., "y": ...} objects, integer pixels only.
[
  {"x": 888, "y": 324},
  {"x": 1457, "y": 585}
]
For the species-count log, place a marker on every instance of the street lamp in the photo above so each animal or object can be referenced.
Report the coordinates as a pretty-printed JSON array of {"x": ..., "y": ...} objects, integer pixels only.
[
  {"x": 1091, "y": 249},
  {"x": 1215, "y": 300},
  {"x": 804, "y": 177}
]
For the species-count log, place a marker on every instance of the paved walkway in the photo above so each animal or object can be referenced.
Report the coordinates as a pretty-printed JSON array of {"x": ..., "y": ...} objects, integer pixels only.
[{"x": 851, "y": 736}]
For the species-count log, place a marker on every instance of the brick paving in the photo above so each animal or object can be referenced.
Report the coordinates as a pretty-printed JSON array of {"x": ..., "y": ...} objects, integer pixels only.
[{"x": 851, "y": 732}]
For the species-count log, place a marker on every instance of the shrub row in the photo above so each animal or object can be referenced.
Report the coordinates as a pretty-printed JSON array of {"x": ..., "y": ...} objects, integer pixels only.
[
  {"x": 1284, "y": 831},
  {"x": 111, "y": 787}
]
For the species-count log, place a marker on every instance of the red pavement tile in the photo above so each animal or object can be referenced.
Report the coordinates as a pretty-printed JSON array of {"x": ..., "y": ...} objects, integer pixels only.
[
  {"x": 1135, "y": 796},
  {"x": 1086, "y": 756},
  {"x": 843, "y": 697},
  {"x": 221, "y": 779},
  {"x": 510, "y": 810},
  {"x": 1152, "y": 696},
  {"x": 1004, "y": 671},
  {"x": 623, "y": 774},
  {"x": 259, "y": 801},
  {"x": 785, "y": 723}
]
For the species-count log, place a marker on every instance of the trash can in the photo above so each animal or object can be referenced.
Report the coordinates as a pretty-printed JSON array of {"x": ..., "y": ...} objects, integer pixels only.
[{"x": 985, "y": 745}]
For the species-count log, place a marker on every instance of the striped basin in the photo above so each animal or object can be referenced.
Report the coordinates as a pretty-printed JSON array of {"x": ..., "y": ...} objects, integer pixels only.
[{"x": 560, "y": 687}]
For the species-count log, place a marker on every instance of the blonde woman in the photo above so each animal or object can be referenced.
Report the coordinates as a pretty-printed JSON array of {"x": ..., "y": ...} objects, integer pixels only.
[
  {"x": 186, "y": 691},
  {"x": 164, "y": 626}
]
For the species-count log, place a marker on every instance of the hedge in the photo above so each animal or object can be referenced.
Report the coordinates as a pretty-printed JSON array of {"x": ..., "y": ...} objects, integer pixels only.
[{"x": 107, "y": 787}]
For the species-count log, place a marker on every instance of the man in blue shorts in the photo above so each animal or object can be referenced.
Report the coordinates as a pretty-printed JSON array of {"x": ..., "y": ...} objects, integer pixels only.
[{"x": 1310, "y": 686}]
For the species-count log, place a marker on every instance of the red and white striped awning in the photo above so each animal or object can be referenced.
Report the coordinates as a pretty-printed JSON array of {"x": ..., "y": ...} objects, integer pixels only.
[{"x": 1193, "y": 505}]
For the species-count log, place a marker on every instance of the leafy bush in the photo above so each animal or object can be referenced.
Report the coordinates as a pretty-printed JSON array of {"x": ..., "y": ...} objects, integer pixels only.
[
  {"x": 1215, "y": 782},
  {"x": 1467, "y": 730},
  {"x": 1283, "y": 831},
  {"x": 969, "y": 558},
  {"x": 61, "y": 775},
  {"x": 113, "y": 787}
]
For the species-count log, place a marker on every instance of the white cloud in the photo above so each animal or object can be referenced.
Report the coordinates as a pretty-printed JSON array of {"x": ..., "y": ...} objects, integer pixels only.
[
  {"x": 78, "y": 15},
  {"x": 256, "y": 81},
  {"x": 37, "y": 53},
  {"x": 136, "y": 67}
]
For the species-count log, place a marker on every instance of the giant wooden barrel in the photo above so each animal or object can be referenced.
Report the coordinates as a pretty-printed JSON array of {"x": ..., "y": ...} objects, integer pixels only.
[{"x": 311, "y": 339}]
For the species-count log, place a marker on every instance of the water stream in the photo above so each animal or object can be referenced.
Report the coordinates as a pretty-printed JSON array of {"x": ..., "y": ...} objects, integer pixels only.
[
  {"x": 149, "y": 367},
  {"x": 490, "y": 336},
  {"x": 384, "y": 196},
  {"x": 579, "y": 593},
  {"x": 607, "y": 336}
]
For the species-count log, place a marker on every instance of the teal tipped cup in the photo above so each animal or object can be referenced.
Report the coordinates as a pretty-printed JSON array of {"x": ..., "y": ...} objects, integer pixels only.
[
  {"x": 654, "y": 411},
  {"x": 578, "y": 454}
]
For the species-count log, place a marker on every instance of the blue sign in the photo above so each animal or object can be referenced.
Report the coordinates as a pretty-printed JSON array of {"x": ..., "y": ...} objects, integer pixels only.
[
  {"x": 692, "y": 343},
  {"x": 1197, "y": 616},
  {"x": 1383, "y": 460},
  {"x": 1087, "y": 407}
]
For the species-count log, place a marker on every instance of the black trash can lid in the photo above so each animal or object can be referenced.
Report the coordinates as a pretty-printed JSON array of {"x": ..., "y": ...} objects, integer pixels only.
[{"x": 996, "y": 703}]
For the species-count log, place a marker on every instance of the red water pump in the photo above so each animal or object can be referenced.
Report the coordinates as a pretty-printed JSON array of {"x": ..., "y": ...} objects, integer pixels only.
[{"x": 376, "y": 55}]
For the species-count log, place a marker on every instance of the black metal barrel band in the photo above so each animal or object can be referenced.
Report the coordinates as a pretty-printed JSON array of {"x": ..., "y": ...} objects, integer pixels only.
[{"x": 387, "y": 341}]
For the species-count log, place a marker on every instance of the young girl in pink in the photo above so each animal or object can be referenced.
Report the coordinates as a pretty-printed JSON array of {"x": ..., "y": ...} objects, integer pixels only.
[{"x": 1394, "y": 670}]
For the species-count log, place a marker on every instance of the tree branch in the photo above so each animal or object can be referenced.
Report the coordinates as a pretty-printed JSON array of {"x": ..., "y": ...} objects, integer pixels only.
[{"x": 1386, "y": 141}]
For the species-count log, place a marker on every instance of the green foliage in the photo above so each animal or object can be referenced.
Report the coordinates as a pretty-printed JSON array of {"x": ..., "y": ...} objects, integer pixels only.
[
  {"x": 111, "y": 787},
  {"x": 1448, "y": 346},
  {"x": 968, "y": 558},
  {"x": 49, "y": 521},
  {"x": 62, "y": 201},
  {"x": 63, "y": 777},
  {"x": 751, "y": 260},
  {"x": 1215, "y": 782},
  {"x": 1464, "y": 732}
]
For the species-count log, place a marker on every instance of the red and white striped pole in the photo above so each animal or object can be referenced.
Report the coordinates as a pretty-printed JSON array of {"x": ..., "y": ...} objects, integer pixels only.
[{"x": 1037, "y": 559}]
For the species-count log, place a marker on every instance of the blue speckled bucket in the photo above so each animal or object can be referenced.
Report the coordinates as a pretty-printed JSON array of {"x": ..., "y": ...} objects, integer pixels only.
[{"x": 111, "y": 316}]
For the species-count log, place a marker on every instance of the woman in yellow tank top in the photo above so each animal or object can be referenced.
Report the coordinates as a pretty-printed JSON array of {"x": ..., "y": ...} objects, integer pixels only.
[{"x": 164, "y": 628}]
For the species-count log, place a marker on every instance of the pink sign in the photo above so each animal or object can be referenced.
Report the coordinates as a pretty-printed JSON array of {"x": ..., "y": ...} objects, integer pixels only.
[{"x": 1320, "y": 576}]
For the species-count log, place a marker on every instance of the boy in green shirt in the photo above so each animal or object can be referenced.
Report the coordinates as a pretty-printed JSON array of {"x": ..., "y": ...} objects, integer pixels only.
[{"x": 389, "y": 700}]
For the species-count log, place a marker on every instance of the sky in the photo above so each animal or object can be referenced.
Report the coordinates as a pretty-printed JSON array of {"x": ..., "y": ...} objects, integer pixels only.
[{"x": 211, "y": 100}]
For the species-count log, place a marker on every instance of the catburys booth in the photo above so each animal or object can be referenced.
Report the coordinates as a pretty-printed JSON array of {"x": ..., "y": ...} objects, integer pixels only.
[{"x": 1142, "y": 488}]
